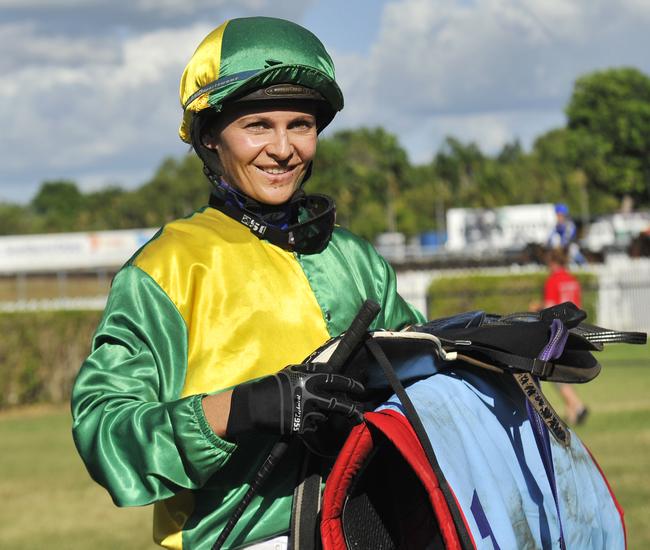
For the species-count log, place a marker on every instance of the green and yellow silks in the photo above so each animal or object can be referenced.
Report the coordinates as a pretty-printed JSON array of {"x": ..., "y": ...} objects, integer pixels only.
[{"x": 202, "y": 307}]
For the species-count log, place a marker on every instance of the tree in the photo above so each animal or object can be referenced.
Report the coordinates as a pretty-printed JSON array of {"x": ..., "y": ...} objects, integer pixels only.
[
  {"x": 16, "y": 219},
  {"x": 178, "y": 187},
  {"x": 102, "y": 209},
  {"x": 609, "y": 117},
  {"x": 58, "y": 204},
  {"x": 421, "y": 205},
  {"x": 459, "y": 165},
  {"x": 557, "y": 155},
  {"x": 511, "y": 152},
  {"x": 365, "y": 170}
]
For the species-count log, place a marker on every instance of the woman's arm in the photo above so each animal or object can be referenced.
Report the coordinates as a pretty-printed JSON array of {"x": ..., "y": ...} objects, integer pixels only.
[{"x": 137, "y": 436}]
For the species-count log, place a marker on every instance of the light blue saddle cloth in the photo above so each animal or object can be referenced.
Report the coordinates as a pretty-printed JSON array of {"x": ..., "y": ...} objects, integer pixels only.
[{"x": 485, "y": 446}]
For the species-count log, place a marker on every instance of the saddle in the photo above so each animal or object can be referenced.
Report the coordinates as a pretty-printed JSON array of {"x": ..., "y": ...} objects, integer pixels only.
[
  {"x": 447, "y": 403},
  {"x": 388, "y": 489},
  {"x": 554, "y": 344}
]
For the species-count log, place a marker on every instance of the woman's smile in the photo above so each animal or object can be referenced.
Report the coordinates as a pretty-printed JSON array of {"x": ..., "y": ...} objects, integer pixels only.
[{"x": 265, "y": 149}]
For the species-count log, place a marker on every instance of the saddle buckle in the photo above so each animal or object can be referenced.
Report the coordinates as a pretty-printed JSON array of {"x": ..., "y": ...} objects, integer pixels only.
[{"x": 541, "y": 369}]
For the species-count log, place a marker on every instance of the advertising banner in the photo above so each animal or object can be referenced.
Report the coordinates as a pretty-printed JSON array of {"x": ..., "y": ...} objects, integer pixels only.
[{"x": 70, "y": 251}]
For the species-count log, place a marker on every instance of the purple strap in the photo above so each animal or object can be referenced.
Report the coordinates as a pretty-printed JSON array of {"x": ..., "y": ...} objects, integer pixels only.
[
  {"x": 552, "y": 350},
  {"x": 555, "y": 346}
]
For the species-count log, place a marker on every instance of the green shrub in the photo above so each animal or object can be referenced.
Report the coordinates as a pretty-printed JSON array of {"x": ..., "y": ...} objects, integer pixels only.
[
  {"x": 40, "y": 354},
  {"x": 499, "y": 294}
]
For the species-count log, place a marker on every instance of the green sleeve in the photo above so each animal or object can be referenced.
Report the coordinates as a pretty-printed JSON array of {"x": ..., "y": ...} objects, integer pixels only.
[
  {"x": 396, "y": 312},
  {"x": 137, "y": 437}
]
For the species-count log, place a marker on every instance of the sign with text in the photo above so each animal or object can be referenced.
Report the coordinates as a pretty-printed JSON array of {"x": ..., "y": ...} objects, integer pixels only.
[
  {"x": 503, "y": 228},
  {"x": 70, "y": 251}
]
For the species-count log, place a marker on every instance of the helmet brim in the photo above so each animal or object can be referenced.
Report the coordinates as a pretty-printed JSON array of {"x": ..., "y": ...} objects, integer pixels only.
[{"x": 216, "y": 94}]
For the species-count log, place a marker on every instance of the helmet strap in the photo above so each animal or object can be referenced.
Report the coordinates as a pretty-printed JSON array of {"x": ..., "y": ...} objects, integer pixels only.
[
  {"x": 307, "y": 236},
  {"x": 280, "y": 216}
]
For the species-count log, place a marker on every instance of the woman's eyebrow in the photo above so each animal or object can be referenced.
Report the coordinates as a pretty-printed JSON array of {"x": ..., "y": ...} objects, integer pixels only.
[{"x": 261, "y": 117}]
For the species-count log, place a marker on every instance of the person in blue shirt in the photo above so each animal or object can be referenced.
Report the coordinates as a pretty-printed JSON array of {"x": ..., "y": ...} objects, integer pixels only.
[{"x": 565, "y": 234}]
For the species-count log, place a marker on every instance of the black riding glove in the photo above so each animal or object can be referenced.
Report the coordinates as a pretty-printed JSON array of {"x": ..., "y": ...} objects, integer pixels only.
[{"x": 295, "y": 400}]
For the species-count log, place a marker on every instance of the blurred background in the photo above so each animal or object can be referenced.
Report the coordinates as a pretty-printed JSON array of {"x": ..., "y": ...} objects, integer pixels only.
[{"x": 466, "y": 124}]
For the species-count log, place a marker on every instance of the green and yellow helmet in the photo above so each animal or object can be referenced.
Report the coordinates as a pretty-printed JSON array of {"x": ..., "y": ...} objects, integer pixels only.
[{"x": 249, "y": 54}]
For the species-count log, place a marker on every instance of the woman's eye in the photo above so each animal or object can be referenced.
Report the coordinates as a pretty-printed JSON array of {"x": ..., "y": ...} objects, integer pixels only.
[
  {"x": 256, "y": 125},
  {"x": 303, "y": 124}
]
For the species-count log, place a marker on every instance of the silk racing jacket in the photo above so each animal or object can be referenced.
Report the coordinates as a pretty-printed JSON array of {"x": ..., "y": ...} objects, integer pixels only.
[{"x": 204, "y": 306}]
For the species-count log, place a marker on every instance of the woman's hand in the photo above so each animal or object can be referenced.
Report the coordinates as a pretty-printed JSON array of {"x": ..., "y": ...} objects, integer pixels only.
[{"x": 295, "y": 400}]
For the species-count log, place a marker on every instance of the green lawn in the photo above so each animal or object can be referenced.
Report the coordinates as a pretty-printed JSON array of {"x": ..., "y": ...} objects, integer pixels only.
[
  {"x": 48, "y": 501},
  {"x": 618, "y": 432}
]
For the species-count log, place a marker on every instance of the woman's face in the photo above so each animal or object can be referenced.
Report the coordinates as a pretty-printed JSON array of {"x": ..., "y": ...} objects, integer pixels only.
[{"x": 265, "y": 149}]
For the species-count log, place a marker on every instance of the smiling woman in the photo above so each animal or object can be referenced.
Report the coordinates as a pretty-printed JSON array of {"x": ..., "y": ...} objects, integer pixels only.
[
  {"x": 265, "y": 150},
  {"x": 197, "y": 365}
]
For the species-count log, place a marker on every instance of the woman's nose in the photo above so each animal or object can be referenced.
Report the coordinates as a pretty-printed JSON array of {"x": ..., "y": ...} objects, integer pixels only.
[{"x": 280, "y": 147}]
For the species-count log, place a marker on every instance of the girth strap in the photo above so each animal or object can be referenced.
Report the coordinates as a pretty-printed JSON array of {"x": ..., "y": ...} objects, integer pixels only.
[
  {"x": 416, "y": 423},
  {"x": 305, "y": 510}
]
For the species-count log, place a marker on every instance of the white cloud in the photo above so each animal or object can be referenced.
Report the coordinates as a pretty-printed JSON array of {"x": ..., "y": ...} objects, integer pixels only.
[
  {"x": 88, "y": 88},
  {"x": 174, "y": 7},
  {"x": 118, "y": 103},
  {"x": 25, "y": 47},
  {"x": 35, "y": 4},
  {"x": 94, "y": 101},
  {"x": 145, "y": 13},
  {"x": 480, "y": 70}
]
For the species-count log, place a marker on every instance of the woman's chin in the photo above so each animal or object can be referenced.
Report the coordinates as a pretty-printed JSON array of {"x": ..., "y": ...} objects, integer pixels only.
[
  {"x": 278, "y": 194},
  {"x": 270, "y": 189},
  {"x": 275, "y": 199}
]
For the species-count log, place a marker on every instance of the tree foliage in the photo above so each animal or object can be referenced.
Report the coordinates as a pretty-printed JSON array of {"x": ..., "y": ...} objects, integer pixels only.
[
  {"x": 601, "y": 155},
  {"x": 366, "y": 171},
  {"x": 57, "y": 203},
  {"x": 609, "y": 119}
]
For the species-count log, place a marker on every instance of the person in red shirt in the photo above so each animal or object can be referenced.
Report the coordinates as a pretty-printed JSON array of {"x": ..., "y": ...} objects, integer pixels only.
[{"x": 559, "y": 287}]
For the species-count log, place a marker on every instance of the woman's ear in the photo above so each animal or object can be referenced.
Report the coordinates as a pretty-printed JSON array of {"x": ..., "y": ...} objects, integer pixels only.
[{"x": 210, "y": 140}]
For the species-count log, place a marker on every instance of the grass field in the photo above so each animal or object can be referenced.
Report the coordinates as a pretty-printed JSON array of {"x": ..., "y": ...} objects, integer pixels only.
[{"x": 48, "y": 501}]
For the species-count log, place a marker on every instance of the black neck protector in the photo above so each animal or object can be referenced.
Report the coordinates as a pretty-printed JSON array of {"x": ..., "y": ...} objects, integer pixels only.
[{"x": 304, "y": 224}]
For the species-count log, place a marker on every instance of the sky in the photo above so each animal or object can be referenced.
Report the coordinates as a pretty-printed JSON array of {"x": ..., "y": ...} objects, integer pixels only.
[{"x": 89, "y": 88}]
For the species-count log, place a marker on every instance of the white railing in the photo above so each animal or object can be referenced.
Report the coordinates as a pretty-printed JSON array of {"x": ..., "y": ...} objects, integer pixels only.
[
  {"x": 623, "y": 289},
  {"x": 91, "y": 303},
  {"x": 623, "y": 292}
]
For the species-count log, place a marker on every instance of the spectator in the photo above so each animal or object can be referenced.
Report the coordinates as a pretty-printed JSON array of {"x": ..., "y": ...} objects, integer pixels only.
[{"x": 561, "y": 286}]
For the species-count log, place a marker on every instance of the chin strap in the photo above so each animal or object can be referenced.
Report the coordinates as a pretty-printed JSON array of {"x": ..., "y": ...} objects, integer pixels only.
[
  {"x": 305, "y": 236},
  {"x": 256, "y": 223},
  {"x": 280, "y": 216}
]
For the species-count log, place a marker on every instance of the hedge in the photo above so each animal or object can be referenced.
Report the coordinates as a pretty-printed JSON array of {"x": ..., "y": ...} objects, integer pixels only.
[
  {"x": 40, "y": 354},
  {"x": 499, "y": 294}
]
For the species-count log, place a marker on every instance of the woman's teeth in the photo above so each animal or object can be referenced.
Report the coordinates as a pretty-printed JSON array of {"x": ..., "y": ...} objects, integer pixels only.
[{"x": 276, "y": 171}]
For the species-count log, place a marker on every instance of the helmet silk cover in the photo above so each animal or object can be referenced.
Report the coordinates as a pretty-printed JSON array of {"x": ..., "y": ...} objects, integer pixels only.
[{"x": 249, "y": 53}]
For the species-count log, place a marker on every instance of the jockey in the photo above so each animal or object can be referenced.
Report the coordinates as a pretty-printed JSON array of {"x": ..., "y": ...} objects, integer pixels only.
[
  {"x": 565, "y": 235},
  {"x": 564, "y": 232},
  {"x": 186, "y": 387}
]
